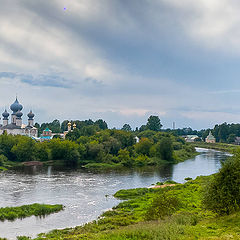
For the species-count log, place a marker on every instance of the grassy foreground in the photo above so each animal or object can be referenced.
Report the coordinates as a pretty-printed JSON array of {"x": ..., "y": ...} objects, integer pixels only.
[
  {"x": 12, "y": 213},
  {"x": 171, "y": 213}
]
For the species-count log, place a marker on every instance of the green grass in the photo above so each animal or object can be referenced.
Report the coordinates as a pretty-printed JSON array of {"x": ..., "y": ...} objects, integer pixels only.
[
  {"x": 12, "y": 213},
  {"x": 132, "y": 213}
]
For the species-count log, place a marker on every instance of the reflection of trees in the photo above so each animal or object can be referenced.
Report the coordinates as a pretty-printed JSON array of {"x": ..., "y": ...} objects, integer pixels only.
[
  {"x": 218, "y": 157},
  {"x": 165, "y": 171}
]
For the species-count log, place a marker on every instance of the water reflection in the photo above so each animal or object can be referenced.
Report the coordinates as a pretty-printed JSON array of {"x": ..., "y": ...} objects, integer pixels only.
[{"x": 84, "y": 193}]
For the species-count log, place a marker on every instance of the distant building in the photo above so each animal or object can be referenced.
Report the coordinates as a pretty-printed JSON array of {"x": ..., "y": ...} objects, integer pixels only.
[
  {"x": 210, "y": 138},
  {"x": 137, "y": 139},
  {"x": 190, "y": 138},
  {"x": 46, "y": 135},
  {"x": 16, "y": 126},
  {"x": 237, "y": 141}
]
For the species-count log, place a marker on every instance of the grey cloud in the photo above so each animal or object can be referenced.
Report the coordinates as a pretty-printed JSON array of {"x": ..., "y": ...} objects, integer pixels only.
[
  {"x": 143, "y": 42},
  {"x": 39, "y": 80}
]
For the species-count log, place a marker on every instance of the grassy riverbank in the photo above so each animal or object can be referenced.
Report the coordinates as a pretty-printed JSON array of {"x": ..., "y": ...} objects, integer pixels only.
[
  {"x": 12, "y": 213},
  {"x": 204, "y": 208},
  {"x": 231, "y": 148},
  {"x": 165, "y": 213},
  {"x": 180, "y": 155}
]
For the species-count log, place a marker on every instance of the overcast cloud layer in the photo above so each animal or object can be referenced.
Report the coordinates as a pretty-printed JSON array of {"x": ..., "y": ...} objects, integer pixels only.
[{"x": 122, "y": 60}]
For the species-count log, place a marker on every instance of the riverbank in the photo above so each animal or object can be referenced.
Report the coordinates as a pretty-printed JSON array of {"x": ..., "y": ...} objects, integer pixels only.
[
  {"x": 230, "y": 148},
  {"x": 174, "y": 212},
  {"x": 86, "y": 194},
  {"x": 181, "y": 155},
  {"x": 178, "y": 156},
  {"x": 177, "y": 211}
]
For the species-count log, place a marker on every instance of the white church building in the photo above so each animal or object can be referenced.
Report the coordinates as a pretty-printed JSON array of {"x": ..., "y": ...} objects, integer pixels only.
[{"x": 16, "y": 126}]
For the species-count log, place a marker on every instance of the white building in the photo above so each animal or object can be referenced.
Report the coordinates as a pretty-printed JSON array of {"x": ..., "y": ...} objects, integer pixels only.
[{"x": 16, "y": 126}]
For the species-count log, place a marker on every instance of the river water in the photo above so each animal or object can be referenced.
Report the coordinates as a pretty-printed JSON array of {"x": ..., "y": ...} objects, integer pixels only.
[{"x": 86, "y": 195}]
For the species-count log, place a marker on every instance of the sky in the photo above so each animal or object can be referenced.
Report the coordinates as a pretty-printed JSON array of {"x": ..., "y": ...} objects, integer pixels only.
[{"x": 122, "y": 60}]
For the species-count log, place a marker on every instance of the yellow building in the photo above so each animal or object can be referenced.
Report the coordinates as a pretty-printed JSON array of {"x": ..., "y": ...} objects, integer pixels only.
[{"x": 210, "y": 138}]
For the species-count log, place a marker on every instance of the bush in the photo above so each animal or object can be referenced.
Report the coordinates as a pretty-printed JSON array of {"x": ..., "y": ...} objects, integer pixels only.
[
  {"x": 163, "y": 205},
  {"x": 223, "y": 193}
]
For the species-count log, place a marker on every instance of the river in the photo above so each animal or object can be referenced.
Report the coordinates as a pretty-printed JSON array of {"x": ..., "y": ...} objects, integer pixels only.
[{"x": 86, "y": 195}]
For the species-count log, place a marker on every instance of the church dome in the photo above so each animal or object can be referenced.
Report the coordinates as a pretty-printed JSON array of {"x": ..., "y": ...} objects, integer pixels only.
[
  {"x": 16, "y": 106},
  {"x": 5, "y": 114},
  {"x": 31, "y": 115},
  {"x": 19, "y": 114}
]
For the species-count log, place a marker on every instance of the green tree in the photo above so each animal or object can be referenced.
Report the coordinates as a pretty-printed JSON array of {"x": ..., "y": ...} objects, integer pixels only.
[
  {"x": 101, "y": 124},
  {"x": 43, "y": 153},
  {"x": 231, "y": 138},
  {"x": 165, "y": 149},
  {"x": 143, "y": 128},
  {"x": 94, "y": 151},
  {"x": 154, "y": 123},
  {"x": 25, "y": 149},
  {"x": 6, "y": 144},
  {"x": 143, "y": 147},
  {"x": 222, "y": 194},
  {"x": 124, "y": 158},
  {"x": 127, "y": 127}
]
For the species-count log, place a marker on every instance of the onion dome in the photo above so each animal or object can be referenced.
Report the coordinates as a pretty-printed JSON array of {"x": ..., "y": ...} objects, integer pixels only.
[
  {"x": 31, "y": 115},
  {"x": 19, "y": 114},
  {"x": 16, "y": 106},
  {"x": 5, "y": 115}
]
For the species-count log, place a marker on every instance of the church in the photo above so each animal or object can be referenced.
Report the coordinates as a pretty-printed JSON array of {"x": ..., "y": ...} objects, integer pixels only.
[{"x": 16, "y": 126}]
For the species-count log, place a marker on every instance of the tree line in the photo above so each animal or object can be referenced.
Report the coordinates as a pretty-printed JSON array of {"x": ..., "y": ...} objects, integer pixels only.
[
  {"x": 153, "y": 123},
  {"x": 89, "y": 144}
]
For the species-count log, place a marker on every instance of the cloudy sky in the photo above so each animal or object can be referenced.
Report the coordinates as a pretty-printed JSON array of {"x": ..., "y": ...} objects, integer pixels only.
[{"x": 122, "y": 60}]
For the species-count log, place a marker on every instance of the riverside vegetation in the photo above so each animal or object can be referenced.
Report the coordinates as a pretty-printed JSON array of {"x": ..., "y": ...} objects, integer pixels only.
[
  {"x": 92, "y": 147},
  {"x": 12, "y": 213},
  {"x": 204, "y": 208},
  {"x": 225, "y": 147}
]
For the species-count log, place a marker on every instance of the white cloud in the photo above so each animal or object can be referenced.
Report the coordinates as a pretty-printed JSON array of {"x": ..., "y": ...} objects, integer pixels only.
[{"x": 211, "y": 23}]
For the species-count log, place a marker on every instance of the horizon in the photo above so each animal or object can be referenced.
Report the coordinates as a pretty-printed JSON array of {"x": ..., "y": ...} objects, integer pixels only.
[{"x": 122, "y": 61}]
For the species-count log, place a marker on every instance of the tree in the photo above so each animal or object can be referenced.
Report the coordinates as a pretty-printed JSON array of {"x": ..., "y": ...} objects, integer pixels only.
[
  {"x": 43, "y": 153},
  {"x": 101, "y": 124},
  {"x": 127, "y": 127},
  {"x": 231, "y": 138},
  {"x": 143, "y": 128},
  {"x": 124, "y": 158},
  {"x": 25, "y": 149},
  {"x": 222, "y": 194},
  {"x": 94, "y": 150},
  {"x": 165, "y": 149},
  {"x": 143, "y": 147},
  {"x": 154, "y": 123}
]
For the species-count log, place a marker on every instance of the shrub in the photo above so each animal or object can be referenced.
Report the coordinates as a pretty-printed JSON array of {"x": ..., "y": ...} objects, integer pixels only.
[{"x": 163, "y": 205}]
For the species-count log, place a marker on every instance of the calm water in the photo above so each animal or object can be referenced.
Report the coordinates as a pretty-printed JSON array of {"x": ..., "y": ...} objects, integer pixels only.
[{"x": 85, "y": 194}]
